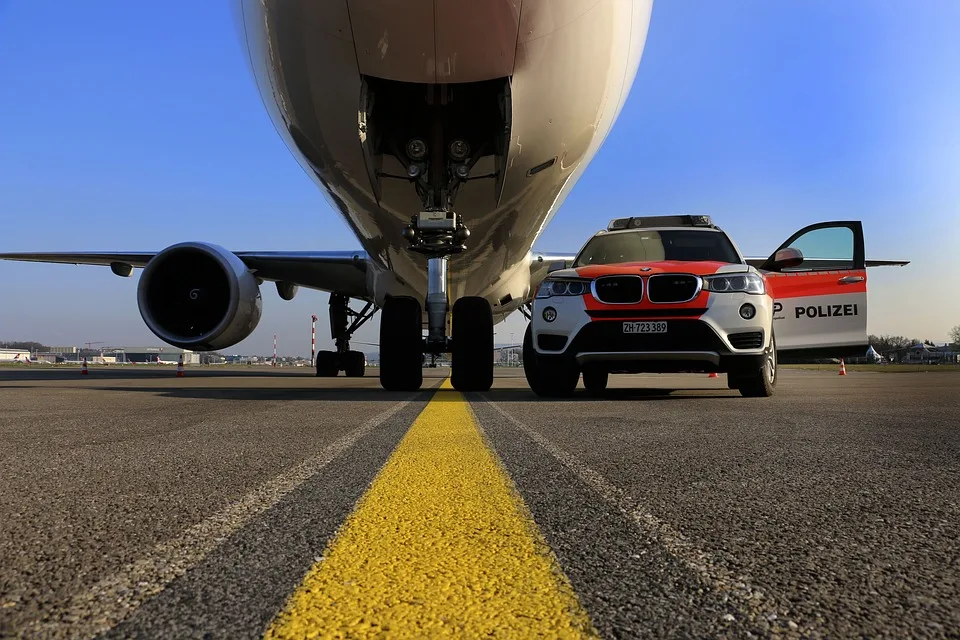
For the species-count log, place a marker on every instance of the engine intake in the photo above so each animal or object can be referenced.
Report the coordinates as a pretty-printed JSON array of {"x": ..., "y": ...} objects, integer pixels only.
[{"x": 199, "y": 296}]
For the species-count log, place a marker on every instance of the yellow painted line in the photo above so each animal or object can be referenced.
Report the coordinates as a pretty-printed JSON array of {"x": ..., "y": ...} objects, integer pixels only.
[{"x": 441, "y": 545}]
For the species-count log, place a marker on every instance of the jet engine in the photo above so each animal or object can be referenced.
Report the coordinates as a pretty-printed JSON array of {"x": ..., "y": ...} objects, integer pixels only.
[{"x": 199, "y": 296}]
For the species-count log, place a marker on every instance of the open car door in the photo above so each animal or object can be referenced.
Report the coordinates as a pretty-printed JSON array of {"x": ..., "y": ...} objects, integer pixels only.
[{"x": 818, "y": 280}]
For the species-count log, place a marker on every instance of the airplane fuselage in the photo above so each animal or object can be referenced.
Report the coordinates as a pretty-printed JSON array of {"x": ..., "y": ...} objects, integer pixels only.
[{"x": 535, "y": 84}]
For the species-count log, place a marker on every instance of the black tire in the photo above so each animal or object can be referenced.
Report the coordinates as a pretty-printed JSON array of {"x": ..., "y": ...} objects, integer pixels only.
[
  {"x": 555, "y": 378},
  {"x": 763, "y": 382},
  {"x": 472, "y": 352},
  {"x": 354, "y": 364},
  {"x": 401, "y": 344},
  {"x": 328, "y": 365},
  {"x": 595, "y": 379}
]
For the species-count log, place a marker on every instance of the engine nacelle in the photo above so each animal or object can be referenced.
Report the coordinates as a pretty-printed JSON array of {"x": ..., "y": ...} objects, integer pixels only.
[{"x": 199, "y": 296}]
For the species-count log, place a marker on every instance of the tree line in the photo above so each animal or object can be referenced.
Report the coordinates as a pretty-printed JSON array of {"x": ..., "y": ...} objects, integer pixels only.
[{"x": 26, "y": 346}]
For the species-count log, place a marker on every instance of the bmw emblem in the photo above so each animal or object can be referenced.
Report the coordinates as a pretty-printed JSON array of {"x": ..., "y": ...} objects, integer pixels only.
[{"x": 645, "y": 269}]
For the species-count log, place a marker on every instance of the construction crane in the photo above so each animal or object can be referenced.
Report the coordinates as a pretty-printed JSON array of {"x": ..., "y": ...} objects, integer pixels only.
[{"x": 90, "y": 346}]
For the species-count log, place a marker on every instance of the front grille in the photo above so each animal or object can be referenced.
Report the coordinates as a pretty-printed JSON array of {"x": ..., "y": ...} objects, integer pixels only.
[
  {"x": 640, "y": 314},
  {"x": 746, "y": 340},
  {"x": 551, "y": 343},
  {"x": 618, "y": 289},
  {"x": 672, "y": 288}
]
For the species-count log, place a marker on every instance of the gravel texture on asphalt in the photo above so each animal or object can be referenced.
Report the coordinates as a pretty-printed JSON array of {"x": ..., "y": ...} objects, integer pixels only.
[{"x": 829, "y": 510}]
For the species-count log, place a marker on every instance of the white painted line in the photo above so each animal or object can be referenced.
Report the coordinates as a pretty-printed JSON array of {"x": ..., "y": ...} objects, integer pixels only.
[
  {"x": 114, "y": 598},
  {"x": 756, "y": 603}
]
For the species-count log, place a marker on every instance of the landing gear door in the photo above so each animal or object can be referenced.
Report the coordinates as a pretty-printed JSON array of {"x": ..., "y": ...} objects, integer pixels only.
[{"x": 818, "y": 281}]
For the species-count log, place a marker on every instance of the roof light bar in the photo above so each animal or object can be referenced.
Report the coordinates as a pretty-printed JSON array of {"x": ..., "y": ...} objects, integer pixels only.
[{"x": 659, "y": 221}]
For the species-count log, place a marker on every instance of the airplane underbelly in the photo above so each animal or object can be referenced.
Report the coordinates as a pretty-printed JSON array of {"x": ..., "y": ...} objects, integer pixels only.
[{"x": 564, "y": 66}]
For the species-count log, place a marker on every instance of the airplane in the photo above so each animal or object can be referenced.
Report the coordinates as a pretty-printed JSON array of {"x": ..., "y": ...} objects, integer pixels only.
[{"x": 446, "y": 134}]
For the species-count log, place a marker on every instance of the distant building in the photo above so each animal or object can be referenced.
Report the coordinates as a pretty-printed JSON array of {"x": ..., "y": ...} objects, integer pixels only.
[
  {"x": 508, "y": 356},
  {"x": 150, "y": 355},
  {"x": 931, "y": 354},
  {"x": 63, "y": 350},
  {"x": 13, "y": 355}
]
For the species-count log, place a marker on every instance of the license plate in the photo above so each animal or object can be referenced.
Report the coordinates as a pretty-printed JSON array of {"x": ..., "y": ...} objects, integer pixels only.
[{"x": 644, "y": 327}]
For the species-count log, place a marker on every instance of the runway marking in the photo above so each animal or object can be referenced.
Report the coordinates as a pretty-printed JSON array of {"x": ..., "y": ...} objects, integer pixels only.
[
  {"x": 751, "y": 599},
  {"x": 440, "y": 545},
  {"x": 114, "y": 598}
]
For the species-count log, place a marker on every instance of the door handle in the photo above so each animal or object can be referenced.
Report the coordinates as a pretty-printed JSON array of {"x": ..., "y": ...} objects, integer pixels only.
[{"x": 851, "y": 279}]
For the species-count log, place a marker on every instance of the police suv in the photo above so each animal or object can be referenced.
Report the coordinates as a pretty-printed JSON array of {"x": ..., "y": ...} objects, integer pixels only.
[{"x": 673, "y": 294}]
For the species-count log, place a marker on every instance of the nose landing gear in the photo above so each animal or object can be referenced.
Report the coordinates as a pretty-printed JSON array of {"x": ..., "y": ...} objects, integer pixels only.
[{"x": 436, "y": 234}]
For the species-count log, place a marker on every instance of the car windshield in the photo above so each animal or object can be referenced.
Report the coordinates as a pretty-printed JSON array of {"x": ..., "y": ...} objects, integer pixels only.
[{"x": 687, "y": 245}]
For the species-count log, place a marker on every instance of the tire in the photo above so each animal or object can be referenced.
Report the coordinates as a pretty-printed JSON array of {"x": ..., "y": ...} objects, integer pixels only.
[
  {"x": 472, "y": 351},
  {"x": 328, "y": 365},
  {"x": 401, "y": 338},
  {"x": 354, "y": 364},
  {"x": 557, "y": 378},
  {"x": 595, "y": 380},
  {"x": 762, "y": 383}
]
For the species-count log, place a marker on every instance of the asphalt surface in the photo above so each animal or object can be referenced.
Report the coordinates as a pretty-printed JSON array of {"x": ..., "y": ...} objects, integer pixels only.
[{"x": 137, "y": 504}]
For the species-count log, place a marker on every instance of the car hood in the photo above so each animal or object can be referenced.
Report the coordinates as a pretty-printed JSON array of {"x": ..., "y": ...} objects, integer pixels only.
[{"x": 697, "y": 268}]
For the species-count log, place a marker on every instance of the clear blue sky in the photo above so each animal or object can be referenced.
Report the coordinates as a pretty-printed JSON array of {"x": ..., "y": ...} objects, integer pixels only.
[{"x": 128, "y": 125}]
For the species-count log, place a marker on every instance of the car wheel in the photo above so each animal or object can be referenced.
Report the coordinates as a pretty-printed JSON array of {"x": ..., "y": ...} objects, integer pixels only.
[
  {"x": 763, "y": 383},
  {"x": 550, "y": 377},
  {"x": 595, "y": 380}
]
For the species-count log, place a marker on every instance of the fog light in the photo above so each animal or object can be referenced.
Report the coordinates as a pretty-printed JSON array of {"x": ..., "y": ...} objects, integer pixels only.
[
  {"x": 747, "y": 311},
  {"x": 549, "y": 314}
]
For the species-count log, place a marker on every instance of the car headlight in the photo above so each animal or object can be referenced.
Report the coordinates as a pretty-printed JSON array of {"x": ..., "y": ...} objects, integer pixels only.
[
  {"x": 735, "y": 283},
  {"x": 563, "y": 287}
]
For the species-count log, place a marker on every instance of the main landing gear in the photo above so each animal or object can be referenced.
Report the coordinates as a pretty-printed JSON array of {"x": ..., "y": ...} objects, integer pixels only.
[{"x": 344, "y": 321}]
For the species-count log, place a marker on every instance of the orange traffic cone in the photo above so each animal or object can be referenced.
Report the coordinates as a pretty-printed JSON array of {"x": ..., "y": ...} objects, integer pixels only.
[
  {"x": 83, "y": 369},
  {"x": 843, "y": 369},
  {"x": 180, "y": 372},
  {"x": 713, "y": 374}
]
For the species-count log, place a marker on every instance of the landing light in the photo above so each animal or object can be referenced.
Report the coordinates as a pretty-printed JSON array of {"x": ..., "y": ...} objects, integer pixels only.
[{"x": 416, "y": 149}]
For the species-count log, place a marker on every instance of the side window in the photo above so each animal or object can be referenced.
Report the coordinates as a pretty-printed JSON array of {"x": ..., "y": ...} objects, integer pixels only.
[{"x": 825, "y": 249}]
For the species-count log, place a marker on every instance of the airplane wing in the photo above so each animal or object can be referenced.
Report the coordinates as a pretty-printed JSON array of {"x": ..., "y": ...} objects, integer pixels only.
[
  {"x": 340, "y": 271},
  {"x": 758, "y": 262}
]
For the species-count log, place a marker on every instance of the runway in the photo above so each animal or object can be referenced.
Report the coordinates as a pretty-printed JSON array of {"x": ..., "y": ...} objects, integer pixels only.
[{"x": 250, "y": 503}]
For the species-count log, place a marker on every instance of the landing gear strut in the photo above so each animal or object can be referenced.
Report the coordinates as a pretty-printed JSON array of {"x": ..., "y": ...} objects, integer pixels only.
[{"x": 344, "y": 321}]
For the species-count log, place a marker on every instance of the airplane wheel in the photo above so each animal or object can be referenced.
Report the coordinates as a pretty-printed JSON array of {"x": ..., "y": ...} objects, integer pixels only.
[
  {"x": 472, "y": 351},
  {"x": 595, "y": 380},
  {"x": 327, "y": 364},
  {"x": 557, "y": 378},
  {"x": 354, "y": 364},
  {"x": 763, "y": 383},
  {"x": 401, "y": 338}
]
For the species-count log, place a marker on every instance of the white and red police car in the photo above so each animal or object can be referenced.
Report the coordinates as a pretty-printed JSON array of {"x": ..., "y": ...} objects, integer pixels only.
[{"x": 674, "y": 294}]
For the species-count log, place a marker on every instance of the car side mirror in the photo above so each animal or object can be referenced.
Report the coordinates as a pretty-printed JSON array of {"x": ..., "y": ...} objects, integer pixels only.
[
  {"x": 556, "y": 266},
  {"x": 789, "y": 257}
]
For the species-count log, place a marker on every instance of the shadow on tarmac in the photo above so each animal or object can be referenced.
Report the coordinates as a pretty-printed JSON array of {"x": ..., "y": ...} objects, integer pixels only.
[
  {"x": 346, "y": 389},
  {"x": 375, "y": 394}
]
